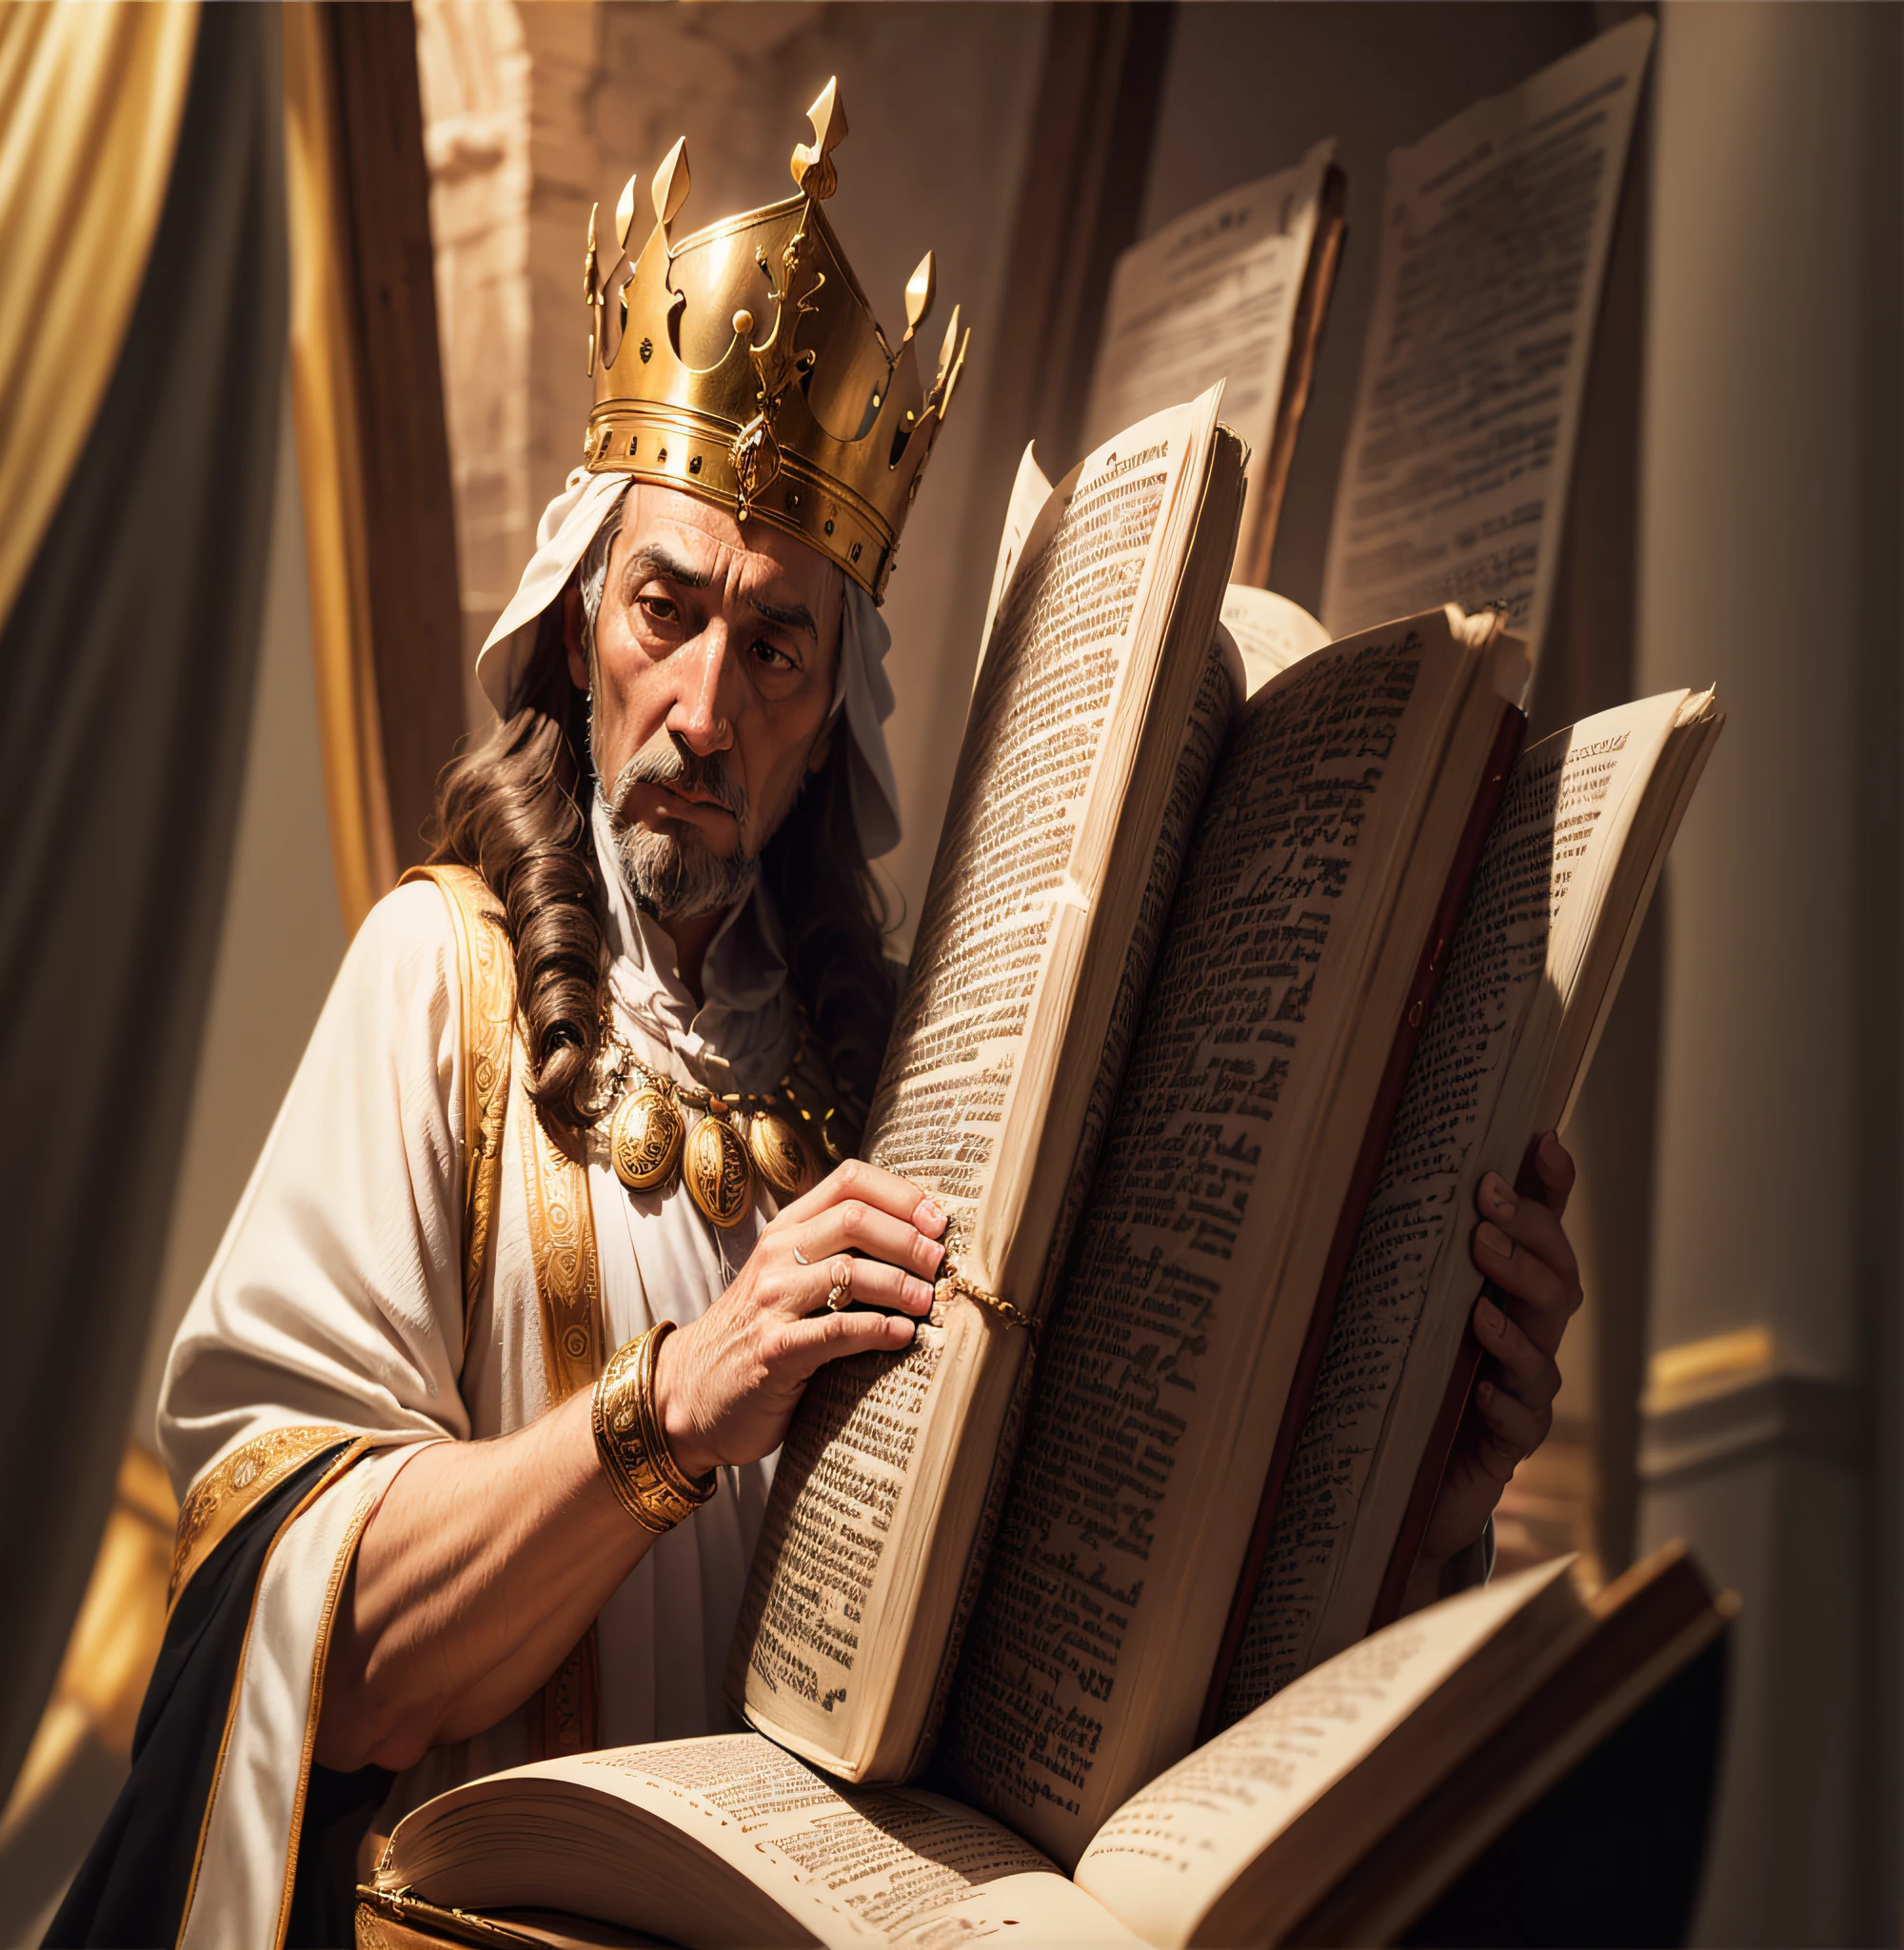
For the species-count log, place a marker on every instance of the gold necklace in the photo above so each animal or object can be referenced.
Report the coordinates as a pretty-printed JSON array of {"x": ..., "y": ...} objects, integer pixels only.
[{"x": 733, "y": 1136}]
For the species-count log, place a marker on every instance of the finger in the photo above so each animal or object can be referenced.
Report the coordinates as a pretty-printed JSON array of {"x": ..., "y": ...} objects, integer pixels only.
[
  {"x": 871, "y": 1281},
  {"x": 1528, "y": 1369},
  {"x": 1546, "y": 1298},
  {"x": 1531, "y": 1223},
  {"x": 1512, "y": 1430},
  {"x": 854, "y": 1225},
  {"x": 804, "y": 1346},
  {"x": 1525, "y": 1280},
  {"x": 1536, "y": 1228},
  {"x": 1553, "y": 1165},
  {"x": 869, "y": 1184}
]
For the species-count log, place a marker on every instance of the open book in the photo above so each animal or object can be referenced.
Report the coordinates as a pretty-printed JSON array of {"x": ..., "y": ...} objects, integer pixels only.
[
  {"x": 1194, "y": 1521},
  {"x": 1236, "y": 291},
  {"x": 1328, "y": 859},
  {"x": 1494, "y": 232},
  {"x": 1417, "y": 1746},
  {"x": 1550, "y": 921}
]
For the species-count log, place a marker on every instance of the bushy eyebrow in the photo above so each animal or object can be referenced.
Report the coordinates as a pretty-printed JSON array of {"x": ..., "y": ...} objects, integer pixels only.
[
  {"x": 788, "y": 615},
  {"x": 653, "y": 560}
]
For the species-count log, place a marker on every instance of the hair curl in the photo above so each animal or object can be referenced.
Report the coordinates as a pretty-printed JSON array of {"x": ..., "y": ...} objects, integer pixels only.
[{"x": 514, "y": 808}]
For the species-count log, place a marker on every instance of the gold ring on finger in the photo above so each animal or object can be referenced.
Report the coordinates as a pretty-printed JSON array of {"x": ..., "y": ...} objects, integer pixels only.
[{"x": 840, "y": 1295}]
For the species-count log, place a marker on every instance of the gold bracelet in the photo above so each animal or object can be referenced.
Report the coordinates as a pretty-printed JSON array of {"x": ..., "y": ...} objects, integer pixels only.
[{"x": 641, "y": 1468}]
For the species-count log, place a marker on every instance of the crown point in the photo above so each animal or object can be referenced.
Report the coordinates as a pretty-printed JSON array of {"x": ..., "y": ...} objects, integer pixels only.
[
  {"x": 671, "y": 184},
  {"x": 919, "y": 291},
  {"x": 743, "y": 323},
  {"x": 812, "y": 164},
  {"x": 950, "y": 344},
  {"x": 624, "y": 215}
]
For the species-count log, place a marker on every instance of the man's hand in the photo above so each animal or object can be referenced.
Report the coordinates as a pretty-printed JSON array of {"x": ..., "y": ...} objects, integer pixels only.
[
  {"x": 1523, "y": 1249},
  {"x": 725, "y": 1387},
  {"x": 486, "y": 1560}
]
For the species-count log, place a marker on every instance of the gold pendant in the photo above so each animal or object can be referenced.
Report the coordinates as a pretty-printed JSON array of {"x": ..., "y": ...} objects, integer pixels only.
[
  {"x": 716, "y": 1171},
  {"x": 645, "y": 1139},
  {"x": 777, "y": 1152}
]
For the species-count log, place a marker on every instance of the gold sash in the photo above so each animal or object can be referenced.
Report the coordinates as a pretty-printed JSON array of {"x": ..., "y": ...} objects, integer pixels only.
[{"x": 561, "y": 1228}]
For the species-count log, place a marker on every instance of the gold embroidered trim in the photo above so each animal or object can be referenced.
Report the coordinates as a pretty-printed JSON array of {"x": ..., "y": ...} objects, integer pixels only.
[
  {"x": 951, "y": 1282},
  {"x": 346, "y": 1550},
  {"x": 317, "y": 1489},
  {"x": 486, "y": 966},
  {"x": 562, "y": 1241},
  {"x": 216, "y": 1501}
]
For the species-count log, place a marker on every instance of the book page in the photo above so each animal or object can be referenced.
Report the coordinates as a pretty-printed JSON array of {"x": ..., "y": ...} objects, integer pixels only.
[
  {"x": 1510, "y": 950},
  {"x": 1493, "y": 235},
  {"x": 1166, "y": 1311},
  {"x": 1212, "y": 296},
  {"x": 1043, "y": 787},
  {"x": 1270, "y": 632},
  {"x": 626, "y": 1834},
  {"x": 1030, "y": 494},
  {"x": 1173, "y": 1850},
  {"x": 1029, "y": 762}
]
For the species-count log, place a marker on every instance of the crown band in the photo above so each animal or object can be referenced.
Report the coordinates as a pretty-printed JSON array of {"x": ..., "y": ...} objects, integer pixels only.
[{"x": 676, "y": 447}]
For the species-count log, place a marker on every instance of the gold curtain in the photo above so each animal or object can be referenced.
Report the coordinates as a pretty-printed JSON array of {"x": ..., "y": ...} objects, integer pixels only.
[
  {"x": 89, "y": 104},
  {"x": 325, "y": 402},
  {"x": 90, "y": 99}
]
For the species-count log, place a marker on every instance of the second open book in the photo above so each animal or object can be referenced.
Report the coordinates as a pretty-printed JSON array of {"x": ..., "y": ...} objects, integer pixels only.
[
  {"x": 1198, "y": 1060},
  {"x": 1409, "y": 1753}
]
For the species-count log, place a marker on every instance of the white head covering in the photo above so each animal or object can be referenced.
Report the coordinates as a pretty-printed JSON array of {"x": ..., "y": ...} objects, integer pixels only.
[{"x": 860, "y": 688}]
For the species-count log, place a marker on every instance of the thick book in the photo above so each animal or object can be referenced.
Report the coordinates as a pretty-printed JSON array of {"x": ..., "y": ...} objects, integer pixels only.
[
  {"x": 1313, "y": 878},
  {"x": 1190, "y": 1526},
  {"x": 1414, "y": 1750},
  {"x": 1098, "y": 707},
  {"x": 1236, "y": 289},
  {"x": 1494, "y": 239},
  {"x": 1299, "y": 962},
  {"x": 1562, "y": 888}
]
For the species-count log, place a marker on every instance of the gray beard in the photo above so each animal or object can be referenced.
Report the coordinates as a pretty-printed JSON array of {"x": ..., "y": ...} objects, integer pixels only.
[{"x": 673, "y": 873}]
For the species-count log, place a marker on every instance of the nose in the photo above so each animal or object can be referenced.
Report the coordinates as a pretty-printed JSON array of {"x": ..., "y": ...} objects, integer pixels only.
[{"x": 695, "y": 717}]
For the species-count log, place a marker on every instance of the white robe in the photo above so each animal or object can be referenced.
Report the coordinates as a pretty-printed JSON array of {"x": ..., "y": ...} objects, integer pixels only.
[{"x": 336, "y": 1298}]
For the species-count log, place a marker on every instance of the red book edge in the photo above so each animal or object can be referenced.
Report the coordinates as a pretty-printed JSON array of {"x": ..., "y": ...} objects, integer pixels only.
[
  {"x": 1440, "y": 1448},
  {"x": 1506, "y": 748}
]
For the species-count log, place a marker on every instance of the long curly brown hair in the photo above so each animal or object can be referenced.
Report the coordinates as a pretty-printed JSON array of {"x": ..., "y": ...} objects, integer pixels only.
[{"x": 515, "y": 807}]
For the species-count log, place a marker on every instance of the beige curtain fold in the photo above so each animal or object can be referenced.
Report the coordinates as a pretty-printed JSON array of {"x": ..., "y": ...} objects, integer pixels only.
[
  {"x": 89, "y": 103},
  {"x": 327, "y": 389}
]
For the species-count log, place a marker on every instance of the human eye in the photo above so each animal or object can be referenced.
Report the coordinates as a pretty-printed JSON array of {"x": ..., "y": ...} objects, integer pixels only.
[
  {"x": 772, "y": 655},
  {"x": 659, "y": 608}
]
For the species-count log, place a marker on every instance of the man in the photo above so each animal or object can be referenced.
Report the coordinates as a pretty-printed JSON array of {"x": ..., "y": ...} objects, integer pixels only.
[{"x": 477, "y": 1405}]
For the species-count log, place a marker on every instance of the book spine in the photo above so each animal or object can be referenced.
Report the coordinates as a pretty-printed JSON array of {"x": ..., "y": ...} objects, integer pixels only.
[{"x": 1506, "y": 748}]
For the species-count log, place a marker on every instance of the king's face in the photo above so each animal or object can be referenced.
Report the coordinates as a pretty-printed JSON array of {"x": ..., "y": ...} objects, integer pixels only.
[{"x": 717, "y": 640}]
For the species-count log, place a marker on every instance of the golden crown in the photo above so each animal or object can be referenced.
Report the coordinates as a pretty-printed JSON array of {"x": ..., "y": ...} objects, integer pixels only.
[{"x": 744, "y": 365}]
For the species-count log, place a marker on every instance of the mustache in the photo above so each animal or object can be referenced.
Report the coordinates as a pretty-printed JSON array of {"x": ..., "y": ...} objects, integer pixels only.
[{"x": 665, "y": 762}]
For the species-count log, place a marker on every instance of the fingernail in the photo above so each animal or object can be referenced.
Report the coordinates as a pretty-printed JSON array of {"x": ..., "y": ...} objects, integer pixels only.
[
  {"x": 1484, "y": 1394},
  {"x": 917, "y": 1294},
  {"x": 1488, "y": 1314},
  {"x": 937, "y": 1253},
  {"x": 1495, "y": 1239},
  {"x": 929, "y": 1218},
  {"x": 1500, "y": 1200}
]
